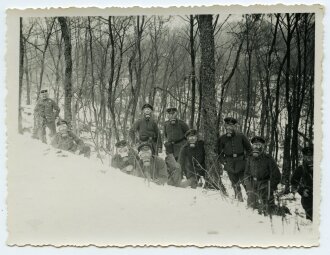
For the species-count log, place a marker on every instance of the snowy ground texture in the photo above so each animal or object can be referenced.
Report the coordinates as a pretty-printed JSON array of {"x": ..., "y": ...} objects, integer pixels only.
[{"x": 59, "y": 198}]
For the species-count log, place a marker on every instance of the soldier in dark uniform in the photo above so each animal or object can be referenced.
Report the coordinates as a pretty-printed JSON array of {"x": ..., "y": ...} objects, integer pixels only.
[
  {"x": 173, "y": 167},
  {"x": 192, "y": 159},
  {"x": 45, "y": 113},
  {"x": 261, "y": 177},
  {"x": 302, "y": 182},
  {"x": 150, "y": 166},
  {"x": 125, "y": 158},
  {"x": 147, "y": 130},
  {"x": 233, "y": 147},
  {"x": 174, "y": 131},
  {"x": 66, "y": 140}
]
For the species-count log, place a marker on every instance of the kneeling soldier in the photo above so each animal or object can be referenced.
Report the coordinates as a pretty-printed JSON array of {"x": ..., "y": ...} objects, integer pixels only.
[
  {"x": 233, "y": 147},
  {"x": 192, "y": 159},
  {"x": 66, "y": 140},
  {"x": 302, "y": 182},
  {"x": 151, "y": 167},
  {"x": 124, "y": 159},
  {"x": 261, "y": 177}
]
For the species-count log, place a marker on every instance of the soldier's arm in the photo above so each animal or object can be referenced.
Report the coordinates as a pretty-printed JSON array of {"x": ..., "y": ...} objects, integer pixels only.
[
  {"x": 181, "y": 159},
  {"x": 296, "y": 178},
  {"x": 247, "y": 170},
  {"x": 133, "y": 130},
  {"x": 220, "y": 147},
  {"x": 165, "y": 131},
  {"x": 275, "y": 174},
  {"x": 159, "y": 136},
  {"x": 247, "y": 145},
  {"x": 56, "y": 108},
  {"x": 185, "y": 127}
]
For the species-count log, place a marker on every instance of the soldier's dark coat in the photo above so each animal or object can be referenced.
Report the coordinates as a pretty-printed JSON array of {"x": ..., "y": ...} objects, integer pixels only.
[
  {"x": 175, "y": 134},
  {"x": 68, "y": 141},
  {"x": 261, "y": 178},
  {"x": 192, "y": 160},
  {"x": 233, "y": 150},
  {"x": 302, "y": 179},
  {"x": 147, "y": 131},
  {"x": 117, "y": 161},
  {"x": 157, "y": 170}
]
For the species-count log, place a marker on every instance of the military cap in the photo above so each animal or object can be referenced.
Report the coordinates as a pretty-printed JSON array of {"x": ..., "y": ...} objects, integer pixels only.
[
  {"x": 191, "y": 132},
  {"x": 230, "y": 120},
  {"x": 258, "y": 139},
  {"x": 143, "y": 145},
  {"x": 60, "y": 122},
  {"x": 171, "y": 109},
  {"x": 307, "y": 151},
  {"x": 121, "y": 143},
  {"x": 147, "y": 106},
  {"x": 43, "y": 91}
]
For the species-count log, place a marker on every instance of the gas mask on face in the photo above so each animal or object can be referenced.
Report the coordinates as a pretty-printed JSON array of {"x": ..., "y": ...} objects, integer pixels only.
[
  {"x": 257, "y": 149},
  {"x": 145, "y": 156},
  {"x": 147, "y": 113},
  {"x": 308, "y": 160},
  {"x": 172, "y": 117},
  {"x": 123, "y": 152},
  {"x": 230, "y": 129},
  {"x": 63, "y": 130},
  {"x": 192, "y": 141}
]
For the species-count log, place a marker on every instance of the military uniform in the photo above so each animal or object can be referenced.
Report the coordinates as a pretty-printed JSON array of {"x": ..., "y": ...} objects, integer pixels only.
[
  {"x": 68, "y": 141},
  {"x": 156, "y": 172},
  {"x": 261, "y": 178},
  {"x": 302, "y": 180},
  {"x": 232, "y": 153},
  {"x": 147, "y": 132},
  {"x": 175, "y": 135},
  {"x": 125, "y": 164},
  {"x": 192, "y": 162},
  {"x": 45, "y": 113}
]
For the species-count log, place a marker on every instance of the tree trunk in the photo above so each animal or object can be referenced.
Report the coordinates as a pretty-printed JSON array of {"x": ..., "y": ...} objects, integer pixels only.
[
  {"x": 68, "y": 69},
  {"x": 209, "y": 113},
  {"x": 21, "y": 70},
  {"x": 193, "y": 73}
]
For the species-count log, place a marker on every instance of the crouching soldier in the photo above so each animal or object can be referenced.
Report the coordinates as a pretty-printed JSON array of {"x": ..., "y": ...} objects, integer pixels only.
[
  {"x": 66, "y": 140},
  {"x": 150, "y": 166},
  {"x": 233, "y": 147},
  {"x": 147, "y": 130},
  {"x": 192, "y": 159},
  {"x": 173, "y": 167},
  {"x": 261, "y": 177},
  {"x": 125, "y": 158},
  {"x": 302, "y": 182}
]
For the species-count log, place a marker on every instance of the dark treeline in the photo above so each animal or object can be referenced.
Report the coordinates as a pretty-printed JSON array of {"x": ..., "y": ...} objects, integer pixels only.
[{"x": 102, "y": 69}]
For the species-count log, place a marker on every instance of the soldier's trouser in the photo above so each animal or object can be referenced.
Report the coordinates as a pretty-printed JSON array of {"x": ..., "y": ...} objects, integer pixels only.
[
  {"x": 236, "y": 179},
  {"x": 307, "y": 204},
  {"x": 41, "y": 132},
  {"x": 85, "y": 150},
  {"x": 260, "y": 196},
  {"x": 174, "y": 171}
]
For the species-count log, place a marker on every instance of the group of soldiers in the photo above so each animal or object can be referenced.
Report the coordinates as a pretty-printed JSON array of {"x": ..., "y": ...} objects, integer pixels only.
[
  {"x": 244, "y": 160},
  {"x": 46, "y": 115}
]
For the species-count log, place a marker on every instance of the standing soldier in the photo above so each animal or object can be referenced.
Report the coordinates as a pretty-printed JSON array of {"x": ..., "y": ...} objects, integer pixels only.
[
  {"x": 174, "y": 131},
  {"x": 45, "y": 113},
  {"x": 302, "y": 182},
  {"x": 261, "y": 177},
  {"x": 125, "y": 158},
  {"x": 192, "y": 159},
  {"x": 147, "y": 130},
  {"x": 150, "y": 166},
  {"x": 233, "y": 147}
]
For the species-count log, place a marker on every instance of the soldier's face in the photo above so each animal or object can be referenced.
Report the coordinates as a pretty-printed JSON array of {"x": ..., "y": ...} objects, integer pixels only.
[
  {"x": 172, "y": 116},
  {"x": 230, "y": 129},
  {"x": 145, "y": 155},
  {"x": 147, "y": 112},
  {"x": 62, "y": 128},
  {"x": 257, "y": 149},
  {"x": 44, "y": 95},
  {"x": 192, "y": 140},
  {"x": 308, "y": 159},
  {"x": 123, "y": 151}
]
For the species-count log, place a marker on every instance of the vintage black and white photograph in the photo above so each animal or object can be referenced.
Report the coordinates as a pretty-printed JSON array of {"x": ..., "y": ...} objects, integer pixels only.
[{"x": 133, "y": 127}]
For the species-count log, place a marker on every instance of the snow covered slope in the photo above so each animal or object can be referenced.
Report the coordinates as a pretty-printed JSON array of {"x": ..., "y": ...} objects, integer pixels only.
[{"x": 60, "y": 198}]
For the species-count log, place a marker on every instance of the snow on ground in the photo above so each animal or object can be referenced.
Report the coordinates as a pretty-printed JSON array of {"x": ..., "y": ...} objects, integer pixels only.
[{"x": 60, "y": 198}]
